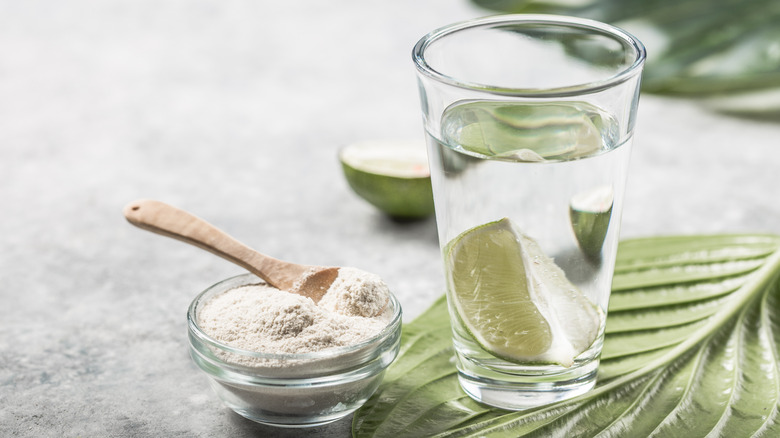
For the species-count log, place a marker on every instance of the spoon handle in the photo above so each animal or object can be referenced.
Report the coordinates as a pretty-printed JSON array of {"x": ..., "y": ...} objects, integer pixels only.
[{"x": 164, "y": 219}]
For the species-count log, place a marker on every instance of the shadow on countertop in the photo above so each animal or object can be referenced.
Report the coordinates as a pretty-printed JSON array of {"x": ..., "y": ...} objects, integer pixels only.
[{"x": 338, "y": 429}]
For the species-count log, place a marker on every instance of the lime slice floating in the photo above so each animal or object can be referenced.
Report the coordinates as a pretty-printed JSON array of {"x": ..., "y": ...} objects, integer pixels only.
[
  {"x": 526, "y": 132},
  {"x": 515, "y": 301},
  {"x": 590, "y": 213},
  {"x": 392, "y": 176}
]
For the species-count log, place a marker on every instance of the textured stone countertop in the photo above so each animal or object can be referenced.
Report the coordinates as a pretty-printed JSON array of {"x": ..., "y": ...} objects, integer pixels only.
[{"x": 235, "y": 110}]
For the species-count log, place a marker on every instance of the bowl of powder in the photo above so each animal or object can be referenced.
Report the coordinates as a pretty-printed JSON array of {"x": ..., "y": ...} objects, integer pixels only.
[{"x": 281, "y": 359}]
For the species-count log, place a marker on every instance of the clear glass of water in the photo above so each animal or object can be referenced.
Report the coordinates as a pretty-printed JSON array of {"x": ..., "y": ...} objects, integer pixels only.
[{"x": 529, "y": 122}]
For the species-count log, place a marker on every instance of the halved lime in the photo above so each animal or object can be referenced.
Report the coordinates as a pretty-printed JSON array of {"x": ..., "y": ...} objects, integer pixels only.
[
  {"x": 514, "y": 300},
  {"x": 392, "y": 176}
]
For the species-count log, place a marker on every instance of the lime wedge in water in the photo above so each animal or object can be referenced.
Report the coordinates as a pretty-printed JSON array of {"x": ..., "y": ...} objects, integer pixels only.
[
  {"x": 514, "y": 300},
  {"x": 392, "y": 176}
]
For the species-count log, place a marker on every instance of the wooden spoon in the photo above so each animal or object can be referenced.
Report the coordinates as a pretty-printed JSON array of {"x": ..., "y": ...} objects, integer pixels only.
[{"x": 161, "y": 218}]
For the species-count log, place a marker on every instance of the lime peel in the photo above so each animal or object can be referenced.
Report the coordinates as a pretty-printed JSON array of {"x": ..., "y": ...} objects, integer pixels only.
[
  {"x": 392, "y": 176},
  {"x": 590, "y": 213}
]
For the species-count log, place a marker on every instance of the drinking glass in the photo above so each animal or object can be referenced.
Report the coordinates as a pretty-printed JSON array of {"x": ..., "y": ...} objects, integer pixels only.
[{"x": 529, "y": 122}]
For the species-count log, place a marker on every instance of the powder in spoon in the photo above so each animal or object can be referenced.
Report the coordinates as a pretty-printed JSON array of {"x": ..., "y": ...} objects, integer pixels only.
[{"x": 265, "y": 319}]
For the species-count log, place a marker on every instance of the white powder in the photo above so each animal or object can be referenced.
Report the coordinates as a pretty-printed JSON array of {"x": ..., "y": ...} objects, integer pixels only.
[
  {"x": 264, "y": 319},
  {"x": 356, "y": 293}
]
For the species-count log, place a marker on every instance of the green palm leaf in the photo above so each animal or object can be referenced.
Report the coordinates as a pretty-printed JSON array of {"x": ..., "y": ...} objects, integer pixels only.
[
  {"x": 692, "y": 345},
  {"x": 727, "y": 51}
]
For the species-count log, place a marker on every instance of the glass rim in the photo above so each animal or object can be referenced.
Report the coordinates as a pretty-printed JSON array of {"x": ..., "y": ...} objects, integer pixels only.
[{"x": 618, "y": 34}]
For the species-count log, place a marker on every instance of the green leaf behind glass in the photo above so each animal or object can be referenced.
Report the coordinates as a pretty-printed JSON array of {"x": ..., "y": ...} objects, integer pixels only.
[
  {"x": 692, "y": 346},
  {"x": 727, "y": 51}
]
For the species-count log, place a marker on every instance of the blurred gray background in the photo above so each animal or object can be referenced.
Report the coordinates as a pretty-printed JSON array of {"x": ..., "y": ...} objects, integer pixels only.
[{"x": 235, "y": 110}]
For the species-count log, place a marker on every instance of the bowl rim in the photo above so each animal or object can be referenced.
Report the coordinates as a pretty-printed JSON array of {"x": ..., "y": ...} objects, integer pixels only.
[{"x": 248, "y": 279}]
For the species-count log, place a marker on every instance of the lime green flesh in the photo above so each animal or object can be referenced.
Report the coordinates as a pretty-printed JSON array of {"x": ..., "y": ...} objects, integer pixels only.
[
  {"x": 489, "y": 278},
  {"x": 515, "y": 302}
]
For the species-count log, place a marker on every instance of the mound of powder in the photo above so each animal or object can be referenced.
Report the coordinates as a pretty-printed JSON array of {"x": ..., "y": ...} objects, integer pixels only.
[
  {"x": 356, "y": 293},
  {"x": 264, "y": 319}
]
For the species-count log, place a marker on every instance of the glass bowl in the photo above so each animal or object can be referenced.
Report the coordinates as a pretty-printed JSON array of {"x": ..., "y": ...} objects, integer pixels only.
[{"x": 292, "y": 390}]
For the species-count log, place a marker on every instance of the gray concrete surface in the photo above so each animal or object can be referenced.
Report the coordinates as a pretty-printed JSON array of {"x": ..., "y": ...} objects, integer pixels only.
[{"x": 235, "y": 110}]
